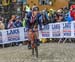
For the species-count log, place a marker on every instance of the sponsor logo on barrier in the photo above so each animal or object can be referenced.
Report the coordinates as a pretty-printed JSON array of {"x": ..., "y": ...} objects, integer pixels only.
[
  {"x": 13, "y": 35},
  {"x": 66, "y": 29},
  {"x": 56, "y": 30},
  {"x": 45, "y": 32}
]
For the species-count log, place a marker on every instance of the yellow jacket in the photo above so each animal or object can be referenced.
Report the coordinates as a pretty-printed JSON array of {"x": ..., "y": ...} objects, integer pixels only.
[{"x": 5, "y": 3}]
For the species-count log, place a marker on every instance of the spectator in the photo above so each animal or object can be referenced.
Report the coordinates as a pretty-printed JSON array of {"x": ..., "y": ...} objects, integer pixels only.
[
  {"x": 59, "y": 12},
  {"x": 24, "y": 21},
  {"x": 10, "y": 24},
  {"x": 51, "y": 12},
  {"x": 56, "y": 18},
  {"x": 59, "y": 18},
  {"x": 18, "y": 22},
  {"x": 66, "y": 10},
  {"x": 44, "y": 17},
  {"x": 72, "y": 11},
  {"x": 68, "y": 17},
  {"x": 2, "y": 19},
  {"x": 6, "y": 22},
  {"x": 51, "y": 15},
  {"x": 13, "y": 17},
  {"x": 27, "y": 8},
  {"x": 2, "y": 26}
]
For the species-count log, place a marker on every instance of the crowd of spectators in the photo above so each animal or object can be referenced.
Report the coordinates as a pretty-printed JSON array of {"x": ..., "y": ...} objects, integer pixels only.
[{"x": 33, "y": 16}]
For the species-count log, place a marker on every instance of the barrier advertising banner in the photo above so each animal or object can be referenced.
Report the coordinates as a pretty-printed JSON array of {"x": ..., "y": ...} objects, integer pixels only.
[
  {"x": 56, "y": 30},
  {"x": 45, "y": 32},
  {"x": 52, "y": 30},
  {"x": 67, "y": 32}
]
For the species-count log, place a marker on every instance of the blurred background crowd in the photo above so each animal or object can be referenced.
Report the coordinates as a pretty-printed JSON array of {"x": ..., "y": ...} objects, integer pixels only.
[{"x": 31, "y": 16}]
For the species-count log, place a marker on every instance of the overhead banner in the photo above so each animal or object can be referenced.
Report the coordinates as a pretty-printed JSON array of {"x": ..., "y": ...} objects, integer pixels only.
[{"x": 53, "y": 30}]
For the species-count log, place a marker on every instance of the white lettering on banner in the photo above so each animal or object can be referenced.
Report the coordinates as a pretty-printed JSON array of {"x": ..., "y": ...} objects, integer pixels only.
[
  {"x": 56, "y": 30},
  {"x": 67, "y": 29}
]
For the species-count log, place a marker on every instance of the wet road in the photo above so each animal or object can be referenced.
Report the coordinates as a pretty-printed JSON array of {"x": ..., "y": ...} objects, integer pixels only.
[{"x": 49, "y": 52}]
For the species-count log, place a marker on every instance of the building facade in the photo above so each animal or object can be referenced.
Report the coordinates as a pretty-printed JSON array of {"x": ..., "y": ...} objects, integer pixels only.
[
  {"x": 9, "y": 7},
  {"x": 55, "y": 4}
]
